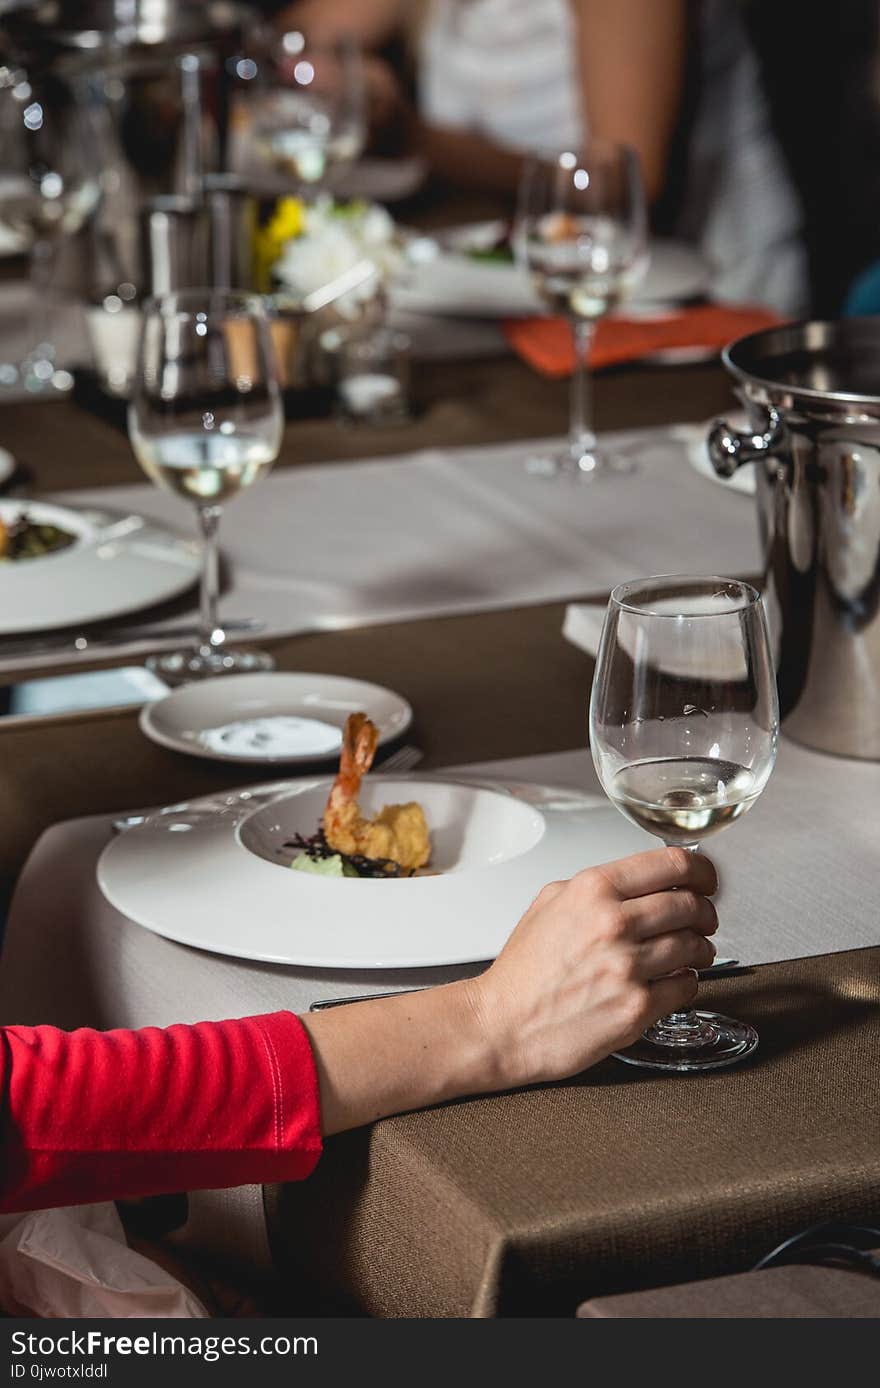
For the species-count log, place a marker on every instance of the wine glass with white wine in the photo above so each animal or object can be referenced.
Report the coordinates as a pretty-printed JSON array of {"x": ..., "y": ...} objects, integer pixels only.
[
  {"x": 205, "y": 421},
  {"x": 581, "y": 232},
  {"x": 307, "y": 111},
  {"x": 49, "y": 187},
  {"x": 684, "y": 725}
]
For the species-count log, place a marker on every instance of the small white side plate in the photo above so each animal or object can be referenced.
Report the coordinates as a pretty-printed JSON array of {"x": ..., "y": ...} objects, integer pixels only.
[{"x": 235, "y": 718}]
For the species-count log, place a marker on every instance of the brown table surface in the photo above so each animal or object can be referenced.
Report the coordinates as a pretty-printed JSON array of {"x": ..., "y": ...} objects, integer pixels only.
[{"x": 524, "y": 1203}]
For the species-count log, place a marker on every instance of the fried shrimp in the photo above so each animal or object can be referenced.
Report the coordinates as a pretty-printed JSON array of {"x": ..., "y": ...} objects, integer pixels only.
[{"x": 398, "y": 832}]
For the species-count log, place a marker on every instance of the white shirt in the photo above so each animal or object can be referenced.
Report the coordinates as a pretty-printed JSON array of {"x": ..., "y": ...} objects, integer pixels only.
[{"x": 508, "y": 70}]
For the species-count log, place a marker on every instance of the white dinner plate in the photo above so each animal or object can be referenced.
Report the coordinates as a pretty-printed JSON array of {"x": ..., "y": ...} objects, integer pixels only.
[
  {"x": 215, "y": 875},
  {"x": 116, "y": 565},
  {"x": 270, "y": 719},
  {"x": 451, "y": 281}
]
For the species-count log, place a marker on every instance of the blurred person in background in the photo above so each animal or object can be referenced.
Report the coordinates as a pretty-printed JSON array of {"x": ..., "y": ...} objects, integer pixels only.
[
  {"x": 820, "y": 66},
  {"x": 679, "y": 80}
]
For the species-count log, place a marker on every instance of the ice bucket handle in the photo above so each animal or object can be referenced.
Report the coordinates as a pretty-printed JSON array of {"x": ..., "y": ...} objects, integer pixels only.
[{"x": 729, "y": 449}]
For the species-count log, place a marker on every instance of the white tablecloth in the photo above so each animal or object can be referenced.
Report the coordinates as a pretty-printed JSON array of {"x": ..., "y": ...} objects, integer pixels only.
[{"x": 454, "y": 531}]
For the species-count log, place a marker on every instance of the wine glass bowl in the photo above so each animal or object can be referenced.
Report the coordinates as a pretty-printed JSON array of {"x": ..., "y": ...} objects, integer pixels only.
[
  {"x": 684, "y": 727},
  {"x": 581, "y": 232},
  {"x": 307, "y": 111},
  {"x": 205, "y": 421},
  {"x": 49, "y": 187}
]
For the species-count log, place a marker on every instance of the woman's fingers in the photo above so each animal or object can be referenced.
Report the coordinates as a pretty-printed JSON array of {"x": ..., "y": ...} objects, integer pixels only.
[
  {"x": 686, "y": 949},
  {"x": 671, "y": 994},
  {"x": 659, "y": 870},
  {"x": 667, "y": 911}
]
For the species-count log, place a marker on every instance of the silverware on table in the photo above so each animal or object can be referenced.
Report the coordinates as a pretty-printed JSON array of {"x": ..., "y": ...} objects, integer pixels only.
[
  {"x": 404, "y": 759},
  {"x": 111, "y": 638},
  {"x": 720, "y": 966}
]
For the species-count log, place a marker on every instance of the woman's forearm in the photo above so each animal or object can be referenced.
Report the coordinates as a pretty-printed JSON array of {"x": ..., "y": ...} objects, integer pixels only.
[
  {"x": 371, "y": 22},
  {"x": 400, "y": 1053},
  {"x": 592, "y": 962},
  {"x": 467, "y": 159}
]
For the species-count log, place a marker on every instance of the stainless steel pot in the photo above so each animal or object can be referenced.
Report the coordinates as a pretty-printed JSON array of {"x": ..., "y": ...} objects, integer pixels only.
[{"x": 812, "y": 393}]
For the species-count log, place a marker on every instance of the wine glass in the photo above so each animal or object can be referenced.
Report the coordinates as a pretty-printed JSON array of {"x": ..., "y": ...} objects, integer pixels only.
[
  {"x": 581, "y": 231},
  {"x": 205, "y": 420},
  {"x": 307, "y": 111},
  {"x": 684, "y": 724},
  {"x": 49, "y": 186}
]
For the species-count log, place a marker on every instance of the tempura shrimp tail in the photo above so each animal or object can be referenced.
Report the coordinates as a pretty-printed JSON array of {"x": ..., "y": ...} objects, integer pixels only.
[{"x": 359, "y": 742}]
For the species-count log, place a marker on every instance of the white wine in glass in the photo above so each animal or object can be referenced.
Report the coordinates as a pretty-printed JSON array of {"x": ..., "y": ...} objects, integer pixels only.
[
  {"x": 684, "y": 725},
  {"x": 206, "y": 420}
]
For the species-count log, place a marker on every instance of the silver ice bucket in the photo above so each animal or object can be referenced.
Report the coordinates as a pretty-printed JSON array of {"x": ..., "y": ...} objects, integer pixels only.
[{"x": 812, "y": 393}]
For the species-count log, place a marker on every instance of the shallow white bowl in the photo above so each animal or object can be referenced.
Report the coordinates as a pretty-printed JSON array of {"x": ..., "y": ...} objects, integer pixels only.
[{"x": 471, "y": 826}]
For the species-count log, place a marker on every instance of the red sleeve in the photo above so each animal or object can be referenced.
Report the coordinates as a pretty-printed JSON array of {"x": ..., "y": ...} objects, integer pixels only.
[{"x": 91, "y": 1115}]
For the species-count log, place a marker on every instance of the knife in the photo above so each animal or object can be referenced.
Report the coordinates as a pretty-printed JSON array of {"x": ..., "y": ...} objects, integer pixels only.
[
  {"x": 720, "y": 966},
  {"x": 114, "y": 636}
]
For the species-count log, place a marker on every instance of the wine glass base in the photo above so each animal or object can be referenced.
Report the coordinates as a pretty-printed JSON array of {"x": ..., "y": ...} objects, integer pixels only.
[
  {"x": 179, "y": 667},
  {"x": 589, "y": 466},
  {"x": 720, "y": 1041}
]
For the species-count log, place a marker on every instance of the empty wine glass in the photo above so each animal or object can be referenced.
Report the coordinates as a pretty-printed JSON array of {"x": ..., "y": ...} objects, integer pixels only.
[
  {"x": 206, "y": 420},
  {"x": 307, "y": 111},
  {"x": 48, "y": 188},
  {"x": 684, "y": 724},
  {"x": 581, "y": 231}
]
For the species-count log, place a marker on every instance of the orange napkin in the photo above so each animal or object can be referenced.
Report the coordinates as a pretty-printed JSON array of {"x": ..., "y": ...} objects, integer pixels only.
[{"x": 546, "y": 343}]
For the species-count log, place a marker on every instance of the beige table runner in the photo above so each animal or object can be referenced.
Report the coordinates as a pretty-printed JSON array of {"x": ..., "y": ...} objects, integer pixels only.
[{"x": 453, "y": 531}]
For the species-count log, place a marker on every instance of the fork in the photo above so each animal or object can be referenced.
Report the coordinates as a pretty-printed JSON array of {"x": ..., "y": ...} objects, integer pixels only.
[{"x": 404, "y": 759}]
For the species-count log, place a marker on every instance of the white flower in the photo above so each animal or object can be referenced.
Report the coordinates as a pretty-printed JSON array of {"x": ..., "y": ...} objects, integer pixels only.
[{"x": 335, "y": 241}]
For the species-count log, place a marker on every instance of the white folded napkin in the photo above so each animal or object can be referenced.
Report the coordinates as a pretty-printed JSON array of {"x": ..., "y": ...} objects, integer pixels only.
[
  {"x": 582, "y": 626},
  {"x": 75, "y": 1262}
]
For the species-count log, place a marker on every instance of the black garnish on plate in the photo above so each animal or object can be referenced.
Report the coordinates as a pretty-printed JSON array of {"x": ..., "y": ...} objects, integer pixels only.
[{"x": 316, "y": 847}]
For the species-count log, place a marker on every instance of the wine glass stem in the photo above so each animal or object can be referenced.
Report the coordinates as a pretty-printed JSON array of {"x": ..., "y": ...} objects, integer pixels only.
[
  {"x": 210, "y": 634},
  {"x": 42, "y": 281},
  {"x": 581, "y": 437},
  {"x": 681, "y": 1026}
]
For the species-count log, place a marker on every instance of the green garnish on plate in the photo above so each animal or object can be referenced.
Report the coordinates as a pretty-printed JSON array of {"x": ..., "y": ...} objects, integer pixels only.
[{"x": 333, "y": 866}]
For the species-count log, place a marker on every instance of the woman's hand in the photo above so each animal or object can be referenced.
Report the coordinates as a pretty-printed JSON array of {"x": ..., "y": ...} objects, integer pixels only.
[
  {"x": 590, "y": 965},
  {"x": 595, "y": 960}
]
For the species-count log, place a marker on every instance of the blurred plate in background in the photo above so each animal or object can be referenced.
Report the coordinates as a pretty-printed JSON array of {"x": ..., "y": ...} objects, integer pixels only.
[
  {"x": 115, "y": 565},
  {"x": 450, "y": 280}
]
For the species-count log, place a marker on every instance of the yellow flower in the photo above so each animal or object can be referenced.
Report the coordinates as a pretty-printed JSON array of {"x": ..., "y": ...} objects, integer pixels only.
[{"x": 287, "y": 221}]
